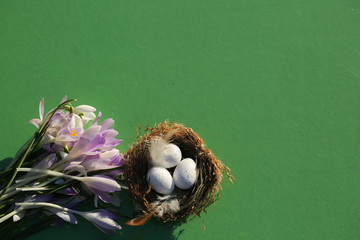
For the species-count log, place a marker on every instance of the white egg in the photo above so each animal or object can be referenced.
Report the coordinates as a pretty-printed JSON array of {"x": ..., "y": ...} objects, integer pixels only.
[
  {"x": 160, "y": 180},
  {"x": 169, "y": 156},
  {"x": 185, "y": 174}
]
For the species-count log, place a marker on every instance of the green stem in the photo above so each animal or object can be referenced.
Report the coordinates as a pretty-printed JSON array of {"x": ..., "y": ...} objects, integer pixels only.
[
  {"x": 9, "y": 215},
  {"x": 46, "y": 204},
  {"x": 50, "y": 173},
  {"x": 19, "y": 165}
]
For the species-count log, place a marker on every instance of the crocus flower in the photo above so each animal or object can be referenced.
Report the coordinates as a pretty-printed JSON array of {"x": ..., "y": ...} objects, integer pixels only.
[
  {"x": 86, "y": 112},
  {"x": 103, "y": 220},
  {"x": 101, "y": 183},
  {"x": 64, "y": 215}
]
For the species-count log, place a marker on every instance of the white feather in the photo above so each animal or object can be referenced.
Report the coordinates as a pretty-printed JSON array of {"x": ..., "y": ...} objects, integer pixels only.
[
  {"x": 172, "y": 205},
  {"x": 157, "y": 146},
  {"x": 167, "y": 206},
  {"x": 165, "y": 197}
]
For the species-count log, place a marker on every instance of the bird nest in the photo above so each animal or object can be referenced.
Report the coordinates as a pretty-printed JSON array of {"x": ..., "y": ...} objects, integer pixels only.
[{"x": 189, "y": 202}]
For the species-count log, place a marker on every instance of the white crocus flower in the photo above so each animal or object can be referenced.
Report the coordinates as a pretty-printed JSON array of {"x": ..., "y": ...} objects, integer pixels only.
[{"x": 86, "y": 112}]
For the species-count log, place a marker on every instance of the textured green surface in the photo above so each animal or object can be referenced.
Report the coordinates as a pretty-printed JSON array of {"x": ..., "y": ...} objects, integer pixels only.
[{"x": 272, "y": 86}]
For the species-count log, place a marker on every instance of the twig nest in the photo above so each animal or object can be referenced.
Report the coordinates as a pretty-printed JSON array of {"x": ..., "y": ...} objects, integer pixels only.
[{"x": 166, "y": 155}]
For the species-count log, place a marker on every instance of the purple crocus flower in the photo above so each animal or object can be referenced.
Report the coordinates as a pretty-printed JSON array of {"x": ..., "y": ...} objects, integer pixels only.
[
  {"x": 101, "y": 183},
  {"x": 103, "y": 187}
]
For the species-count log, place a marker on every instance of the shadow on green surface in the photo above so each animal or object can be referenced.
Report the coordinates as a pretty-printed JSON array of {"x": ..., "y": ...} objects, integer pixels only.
[
  {"x": 4, "y": 162},
  {"x": 151, "y": 230}
]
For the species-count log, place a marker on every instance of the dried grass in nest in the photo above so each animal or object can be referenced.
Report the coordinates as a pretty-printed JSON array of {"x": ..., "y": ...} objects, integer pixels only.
[{"x": 192, "y": 201}]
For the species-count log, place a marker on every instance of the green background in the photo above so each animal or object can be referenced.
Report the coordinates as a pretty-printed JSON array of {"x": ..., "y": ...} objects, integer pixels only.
[{"x": 271, "y": 85}]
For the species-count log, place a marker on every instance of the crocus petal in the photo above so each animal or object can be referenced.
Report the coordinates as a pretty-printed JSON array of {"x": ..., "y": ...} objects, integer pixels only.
[
  {"x": 67, "y": 136},
  {"x": 96, "y": 143},
  {"x": 75, "y": 167},
  {"x": 73, "y": 162},
  {"x": 89, "y": 115},
  {"x": 101, "y": 183},
  {"x": 115, "y": 160},
  {"x": 107, "y": 124},
  {"x": 83, "y": 141},
  {"x": 111, "y": 198},
  {"x": 46, "y": 163},
  {"x": 115, "y": 173},
  {"x": 84, "y": 108},
  {"x": 64, "y": 99},
  {"x": 50, "y": 137},
  {"x": 101, "y": 163},
  {"x": 67, "y": 216},
  {"x": 103, "y": 220},
  {"x": 109, "y": 136},
  {"x": 74, "y": 202},
  {"x": 69, "y": 119},
  {"x": 58, "y": 119},
  {"x": 86, "y": 112},
  {"x": 97, "y": 119},
  {"x": 96, "y": 164},
  {"x": 41, "y": 109},
  {"x": 102, "y": 196},
  {"x": 73, "y": 121},
  {"x": 47, "y": 147},
  {"x": 36, "y": 122},
  {"x": 112, "y": 143},
  {"x": 115, "y": 200},
  {"x": 76, "y": 122},
  {"x": 109, "y": 154},
  {"x": 109, "y": 133}
]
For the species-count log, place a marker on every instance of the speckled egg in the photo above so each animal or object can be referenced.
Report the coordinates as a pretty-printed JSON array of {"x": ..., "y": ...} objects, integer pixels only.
[
  {"x": 185, "y": 174},
  {"x": 169, "y": 156},
  {"x": 160, "y": 180}
]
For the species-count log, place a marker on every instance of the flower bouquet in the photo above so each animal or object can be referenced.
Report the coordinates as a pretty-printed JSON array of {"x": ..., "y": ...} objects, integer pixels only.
[{"x": 68, "y": 161}]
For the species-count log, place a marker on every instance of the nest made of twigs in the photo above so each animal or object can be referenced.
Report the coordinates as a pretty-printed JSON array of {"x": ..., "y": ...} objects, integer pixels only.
[{"x": 192, "y": 201}]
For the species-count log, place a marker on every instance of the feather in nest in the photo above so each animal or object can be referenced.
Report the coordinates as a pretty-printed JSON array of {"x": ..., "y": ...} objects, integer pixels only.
[
  {"x": 167, "y": 204},
  {"x": 157, "y": 146}
]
